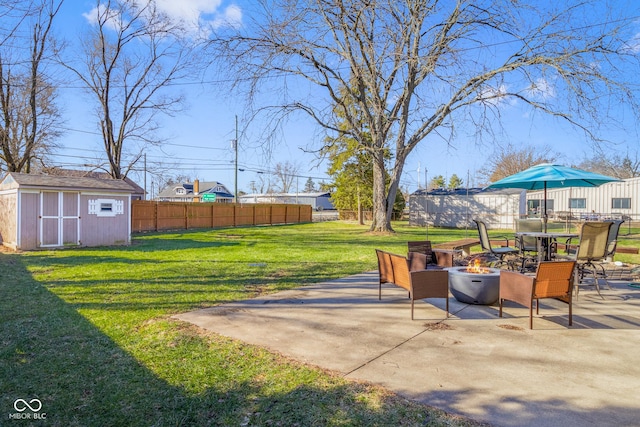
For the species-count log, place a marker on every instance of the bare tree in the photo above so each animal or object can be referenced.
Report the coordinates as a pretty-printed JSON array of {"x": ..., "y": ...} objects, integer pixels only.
[
  {"x": 505, "y": 161},
  {"x": 264, "y": 185},
  {"x": 27, "y": 96},
  {"x": 422, "y": 69},
  {"x": 613, "y": 164},
  {"x": 12, "y": 15},
  {"x": 130, "y": 58},
  {"x": 286, "y": 173}
]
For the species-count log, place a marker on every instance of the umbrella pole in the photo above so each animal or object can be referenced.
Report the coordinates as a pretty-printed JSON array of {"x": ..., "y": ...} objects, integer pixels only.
[{"x": 545, "y": 219}]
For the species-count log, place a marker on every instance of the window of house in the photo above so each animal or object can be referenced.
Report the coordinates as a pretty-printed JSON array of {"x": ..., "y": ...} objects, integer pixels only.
[
  {"x": 621, "y": 203},
  {"x": 577, "y": 203},
  {"x": 535, "y": 206},
  {"x": 180, "y": 190},
  {"x": 106, "y": 207}
]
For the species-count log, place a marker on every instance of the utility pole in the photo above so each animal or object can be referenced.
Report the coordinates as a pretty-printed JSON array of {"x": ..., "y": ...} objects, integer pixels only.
[
  {"x": 144, "y": 196},
  {"x": 235, "y": 143}
]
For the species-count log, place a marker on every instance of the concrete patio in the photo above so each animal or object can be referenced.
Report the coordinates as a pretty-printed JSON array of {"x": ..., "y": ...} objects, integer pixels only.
[{"x": 473, "y": 364}]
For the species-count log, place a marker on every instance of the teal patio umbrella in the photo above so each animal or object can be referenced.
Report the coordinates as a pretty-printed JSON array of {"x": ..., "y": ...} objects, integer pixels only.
[{"x": 547, "y": 175}]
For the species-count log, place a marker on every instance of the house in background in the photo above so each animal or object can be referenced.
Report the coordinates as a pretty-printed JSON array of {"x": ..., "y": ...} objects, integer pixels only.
[
  {"x": 196, "y": 191},
  {"x": 499, "y": 207},
  {"x": 138, "y": 192},
  {"x": 44, "y": 211},
  {"x": 613, "y": 200},
  {"x": 319, "y": 200}
]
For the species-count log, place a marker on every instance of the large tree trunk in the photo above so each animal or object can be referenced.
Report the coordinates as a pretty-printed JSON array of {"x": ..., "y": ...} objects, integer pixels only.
[{"x": 381, "y": 221}]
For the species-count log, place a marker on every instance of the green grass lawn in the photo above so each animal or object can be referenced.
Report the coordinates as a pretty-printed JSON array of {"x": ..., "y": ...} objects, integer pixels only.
[{"x": 88, "y": 331}]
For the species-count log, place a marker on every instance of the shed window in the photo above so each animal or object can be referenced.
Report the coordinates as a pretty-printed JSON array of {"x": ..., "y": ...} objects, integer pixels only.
[
  {"x": 621, "y": 203},
  {"x": 106, "y": 207},
  {"x": 577, "y": 203}
]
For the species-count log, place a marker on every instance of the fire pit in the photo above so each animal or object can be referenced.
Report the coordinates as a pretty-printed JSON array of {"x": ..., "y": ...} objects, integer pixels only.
[{"x": 475, "y": 284}]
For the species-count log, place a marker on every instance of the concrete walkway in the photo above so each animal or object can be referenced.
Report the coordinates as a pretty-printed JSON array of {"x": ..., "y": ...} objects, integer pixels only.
[{"x": 474, "y": 363}]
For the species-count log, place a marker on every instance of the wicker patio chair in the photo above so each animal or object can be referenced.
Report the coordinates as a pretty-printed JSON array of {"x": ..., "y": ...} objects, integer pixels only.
[
  {"x": 422, "y": 256},
  {"x": 393, "y": 268},
  {"x": 554, "y": 279}
]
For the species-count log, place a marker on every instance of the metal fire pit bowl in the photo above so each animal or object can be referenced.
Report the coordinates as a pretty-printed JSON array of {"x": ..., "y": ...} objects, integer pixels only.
[{"x": 475, "y": 288}]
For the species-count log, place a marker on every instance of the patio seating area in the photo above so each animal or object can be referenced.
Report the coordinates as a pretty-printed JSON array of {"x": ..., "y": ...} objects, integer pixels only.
[{"x": 473, "y": 363}]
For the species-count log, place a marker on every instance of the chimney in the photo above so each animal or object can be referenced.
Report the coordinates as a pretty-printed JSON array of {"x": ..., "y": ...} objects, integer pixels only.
[{"x": 196, "y": 187}]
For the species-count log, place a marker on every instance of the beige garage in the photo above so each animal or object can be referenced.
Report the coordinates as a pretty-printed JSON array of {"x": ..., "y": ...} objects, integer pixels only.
[{"x": 43, "y": 211}]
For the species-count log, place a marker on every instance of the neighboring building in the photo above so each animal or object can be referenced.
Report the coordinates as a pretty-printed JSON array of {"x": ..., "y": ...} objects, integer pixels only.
[
  {"x": 499, "y": 208},
  {"x": 138, "y": 192},
  {"x": 196, "y": 191},
  {"x": 459, "y": 207},
  {"x": 614, "y": 200},
  {"x": 43, "y": 211},
  {"x": 319, "y": 201}
]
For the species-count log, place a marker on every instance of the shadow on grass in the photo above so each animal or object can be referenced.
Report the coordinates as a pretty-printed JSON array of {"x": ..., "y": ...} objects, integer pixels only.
[{"x": 84, "y": 377}]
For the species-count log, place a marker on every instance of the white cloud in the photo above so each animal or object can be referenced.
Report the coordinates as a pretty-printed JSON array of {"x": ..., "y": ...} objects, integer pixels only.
[
  {"x": 199, "y": 16},
  {"x": 541, "y": 88},
  {"x": 495, "y": 95},
  {"x": 113, "y": 19},
  {"x": 189, "y": 12},
  {"x": 633, "y": 45},
  {"x": 196, "y": 16},
  {"x": 232, "y": 17}
]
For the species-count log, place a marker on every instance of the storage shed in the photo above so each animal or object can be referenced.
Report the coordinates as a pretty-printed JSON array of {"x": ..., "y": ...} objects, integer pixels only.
[
  {"x": 458, "y": 207},
  {"x": 42, "y": 211}
]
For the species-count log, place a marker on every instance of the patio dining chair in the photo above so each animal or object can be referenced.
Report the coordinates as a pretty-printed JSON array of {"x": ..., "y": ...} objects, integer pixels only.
[
  {"x": 498, "y": 252},
  {"x": 591, "y": 252},
  {"x": 528, "y": 245},
  {"x": 553, "y": 279},
  {"x": 612, "y": 238}
]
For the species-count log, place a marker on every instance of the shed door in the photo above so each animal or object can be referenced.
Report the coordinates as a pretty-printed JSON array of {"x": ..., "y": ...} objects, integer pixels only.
[{"x": 59, "y": 218}]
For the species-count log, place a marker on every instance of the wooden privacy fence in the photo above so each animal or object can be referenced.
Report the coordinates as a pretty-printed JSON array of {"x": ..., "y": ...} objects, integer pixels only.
[{"x": 159, "y": 216}]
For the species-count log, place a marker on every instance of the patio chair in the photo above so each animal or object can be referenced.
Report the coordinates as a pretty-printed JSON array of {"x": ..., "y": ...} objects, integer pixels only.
[
  {"x": 499, "y": 252},
  {"x": 553, "y": 279},
  {"x": 612, "y": 238},
  {"x": 528, "y": 245},
  {"x": 422, "y": 284},
  {"x": 591, "y": 252},
  {"x": 422, "y": 256}
]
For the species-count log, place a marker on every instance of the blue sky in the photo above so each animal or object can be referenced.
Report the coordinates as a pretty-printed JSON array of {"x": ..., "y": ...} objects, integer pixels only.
[{"x": 199, "y": 140}]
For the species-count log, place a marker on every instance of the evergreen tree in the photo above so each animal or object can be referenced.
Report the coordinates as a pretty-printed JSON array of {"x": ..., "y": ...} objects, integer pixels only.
[
  {"x": 455, "y": 182},
  {"x": 309, "y": 186}
]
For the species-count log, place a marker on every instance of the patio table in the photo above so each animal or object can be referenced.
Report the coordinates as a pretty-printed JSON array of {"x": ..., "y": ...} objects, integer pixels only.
[{"x": 544, "y": 240}]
